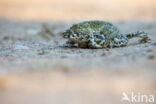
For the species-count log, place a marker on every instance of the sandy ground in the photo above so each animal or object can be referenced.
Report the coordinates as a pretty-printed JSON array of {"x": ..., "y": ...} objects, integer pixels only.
[{"x": 36, "y": 69}]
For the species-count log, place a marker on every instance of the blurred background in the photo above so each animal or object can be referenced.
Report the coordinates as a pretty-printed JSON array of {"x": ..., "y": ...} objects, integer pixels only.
[
  {"x": 36, "y": 69},
  {"x": 68, "y": 10}
]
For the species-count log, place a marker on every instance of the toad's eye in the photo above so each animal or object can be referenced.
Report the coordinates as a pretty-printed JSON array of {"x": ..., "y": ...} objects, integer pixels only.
[{"x": 68, "y": 32}]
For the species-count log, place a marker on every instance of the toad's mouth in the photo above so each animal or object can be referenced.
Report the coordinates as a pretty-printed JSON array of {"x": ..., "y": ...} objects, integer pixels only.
[{"x": 66, "y": 36}]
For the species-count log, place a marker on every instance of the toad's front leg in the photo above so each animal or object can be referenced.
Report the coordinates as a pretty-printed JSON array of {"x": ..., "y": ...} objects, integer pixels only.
[
  {"x": 93, "y": 43},
  {"x": 70, "y": 43}
]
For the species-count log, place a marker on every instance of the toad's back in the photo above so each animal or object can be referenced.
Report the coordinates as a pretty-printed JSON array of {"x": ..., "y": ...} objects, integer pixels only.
[{"x": 95, "y": 28}]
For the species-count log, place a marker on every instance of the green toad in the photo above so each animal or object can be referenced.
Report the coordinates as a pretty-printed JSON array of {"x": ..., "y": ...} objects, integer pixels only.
[{"x": 98, "y": 34}]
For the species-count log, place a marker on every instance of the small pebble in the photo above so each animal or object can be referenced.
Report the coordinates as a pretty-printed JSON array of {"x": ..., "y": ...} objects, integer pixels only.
[
  {"x": 21, "y": 47},
  {"x": 103, "y": 54},
  {"x": 107, "y": 49},
  {"x": 6, "y": 38},
  {"x": 63, "y": 57},
  {"x": 42, "y": 52},
  {"x": 149, "y": 50},
  {"x": 151, "y": 57},
  {"x": 106, "y": 53}
]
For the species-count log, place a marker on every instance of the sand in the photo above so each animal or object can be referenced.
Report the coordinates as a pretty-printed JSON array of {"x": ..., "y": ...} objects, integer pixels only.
[{"x": 36, "y": 69}]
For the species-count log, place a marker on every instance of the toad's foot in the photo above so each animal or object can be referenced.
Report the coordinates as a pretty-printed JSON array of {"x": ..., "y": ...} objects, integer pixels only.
[
  {"x": 145, "y": 40},
  {"x": 140, "y": 34},
  {"x": 92, "y": 43}
]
